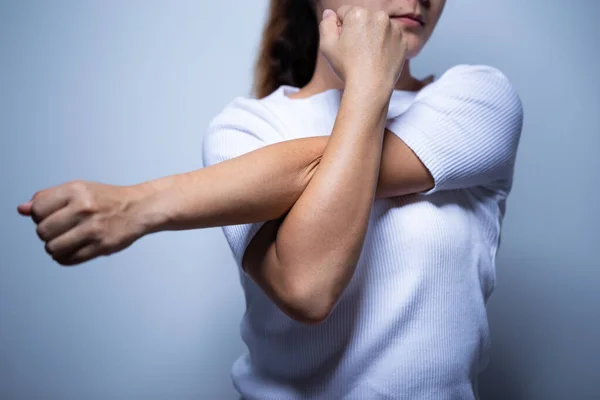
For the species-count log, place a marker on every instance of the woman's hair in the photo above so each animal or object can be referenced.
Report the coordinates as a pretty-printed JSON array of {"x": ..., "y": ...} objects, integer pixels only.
[{"x": 288, "y": 51}]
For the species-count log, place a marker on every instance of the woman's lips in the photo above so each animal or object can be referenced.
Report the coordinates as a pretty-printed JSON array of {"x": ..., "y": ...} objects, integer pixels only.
[{"x": 407, "y": 21}]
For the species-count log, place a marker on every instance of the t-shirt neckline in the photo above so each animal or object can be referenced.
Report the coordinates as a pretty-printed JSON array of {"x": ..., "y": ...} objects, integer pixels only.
[{"x": 286, "y": 90}]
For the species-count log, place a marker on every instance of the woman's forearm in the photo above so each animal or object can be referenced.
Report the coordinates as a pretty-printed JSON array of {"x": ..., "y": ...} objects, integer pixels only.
[
  {"x": 258, "y": 186},
  {"x": 320, "y": 240}
]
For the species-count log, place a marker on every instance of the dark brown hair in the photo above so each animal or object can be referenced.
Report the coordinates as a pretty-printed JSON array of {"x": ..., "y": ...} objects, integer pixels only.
[{"x": 288, "y": 51}]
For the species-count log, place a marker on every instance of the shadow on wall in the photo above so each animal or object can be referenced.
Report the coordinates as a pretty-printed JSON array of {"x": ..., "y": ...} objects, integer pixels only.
[
  {"x": 544, "y": 344},
  {"x": 500, "y": 380}
]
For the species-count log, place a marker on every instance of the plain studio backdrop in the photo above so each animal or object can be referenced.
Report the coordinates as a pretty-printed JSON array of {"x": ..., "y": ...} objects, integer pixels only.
[{"x": 122, "y": 91}]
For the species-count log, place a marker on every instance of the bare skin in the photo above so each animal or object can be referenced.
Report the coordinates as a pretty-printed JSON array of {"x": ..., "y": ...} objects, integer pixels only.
[{"x": 306, "y": 178}]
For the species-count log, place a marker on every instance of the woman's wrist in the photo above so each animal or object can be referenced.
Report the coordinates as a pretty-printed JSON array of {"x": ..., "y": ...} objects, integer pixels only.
[
  {"x": 369, "y": 98},
  {"x": 376, "y": 91},
  {"x": 145, "y": 210}
]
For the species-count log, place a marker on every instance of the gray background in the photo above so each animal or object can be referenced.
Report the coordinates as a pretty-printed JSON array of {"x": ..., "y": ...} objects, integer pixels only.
[{"x": 121, "y": 92}]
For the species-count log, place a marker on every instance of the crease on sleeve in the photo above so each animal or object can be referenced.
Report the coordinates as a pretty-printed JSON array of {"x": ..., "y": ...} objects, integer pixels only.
[{"x": 465, "y": 130}]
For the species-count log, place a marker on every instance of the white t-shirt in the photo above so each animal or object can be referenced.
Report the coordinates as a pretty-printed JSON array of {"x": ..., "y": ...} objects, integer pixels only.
[{"x": 412, "y": 322}]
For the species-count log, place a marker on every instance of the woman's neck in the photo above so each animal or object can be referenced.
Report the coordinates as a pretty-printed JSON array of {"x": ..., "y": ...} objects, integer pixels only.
[{"x": 324, "y": 79}]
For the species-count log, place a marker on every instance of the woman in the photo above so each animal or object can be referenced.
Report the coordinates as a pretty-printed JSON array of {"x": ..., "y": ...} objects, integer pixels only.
[{"x": 363, "y": 206}]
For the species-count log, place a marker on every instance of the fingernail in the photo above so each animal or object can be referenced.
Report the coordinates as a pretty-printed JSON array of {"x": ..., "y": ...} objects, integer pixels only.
[{"x": 327, "y": 12}]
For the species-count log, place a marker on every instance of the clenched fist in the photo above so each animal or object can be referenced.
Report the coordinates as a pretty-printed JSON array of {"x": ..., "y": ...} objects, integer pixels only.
[
  {"x": 81, "y": 220},
  {"x": 363, "y": 45}
]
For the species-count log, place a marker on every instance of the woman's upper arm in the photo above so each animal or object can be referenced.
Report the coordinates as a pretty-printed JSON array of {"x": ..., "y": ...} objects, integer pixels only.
[
  {"x": 464, "y": 131},
  {"x": 401, "y": 172},
  {"x": 260, "y": 255}
]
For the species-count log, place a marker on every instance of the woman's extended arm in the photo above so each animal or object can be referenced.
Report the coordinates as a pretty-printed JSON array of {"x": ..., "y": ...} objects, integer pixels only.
[
  {"x": 465, "y": 132},
  {"x": 261, "y": 185}
]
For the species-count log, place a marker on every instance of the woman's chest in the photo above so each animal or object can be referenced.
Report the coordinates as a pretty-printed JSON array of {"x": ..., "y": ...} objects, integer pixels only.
[
  {"x": 302, "y": 119},
  {"x": 447, "y": 223}
]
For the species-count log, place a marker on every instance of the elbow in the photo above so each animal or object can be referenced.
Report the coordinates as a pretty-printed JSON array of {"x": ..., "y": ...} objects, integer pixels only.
[
  {"x": 308, "y": 312},
  {"x": 307, "y": 303}
]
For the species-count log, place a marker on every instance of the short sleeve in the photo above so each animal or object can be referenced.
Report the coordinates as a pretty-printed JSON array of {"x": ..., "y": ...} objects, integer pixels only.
[
  {"x": 243, "y": 126},
  {"x": 465, "y": 128}
]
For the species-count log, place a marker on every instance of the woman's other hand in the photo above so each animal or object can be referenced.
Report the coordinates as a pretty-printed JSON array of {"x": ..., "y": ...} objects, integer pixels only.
[
  {"x": 364, "y": 46},
  {"x": 81, "y": 220}
]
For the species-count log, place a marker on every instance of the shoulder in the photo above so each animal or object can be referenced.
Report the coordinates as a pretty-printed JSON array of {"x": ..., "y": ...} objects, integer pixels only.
[
  {"x": 260, "y": 117},
  {"x": 244, "y": 112},
  {"x": 243, "y": 125},
  {"x": 475, "y": 82},
  {"x": 473, "y": 69},
  {"x": 473, "y": 73},
  {"x": 474, "y": 93}
]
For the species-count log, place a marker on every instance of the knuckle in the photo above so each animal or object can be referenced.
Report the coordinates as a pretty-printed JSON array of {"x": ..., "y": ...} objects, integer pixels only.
[
  {"x": 95, "y": 228},
  {"x": 381, "y": 17},
  {"x": 76, "y": 186},
  {"x": 50, "y": 248},
  {"x": 86, "y": 203},
  {"x": 42, "y": 232},
  {"x": 357, "y": 13},
  {"x": 36, "y": 211},
  {"x": 80, "y": 191},
  {"x": 39, "y": 194}
]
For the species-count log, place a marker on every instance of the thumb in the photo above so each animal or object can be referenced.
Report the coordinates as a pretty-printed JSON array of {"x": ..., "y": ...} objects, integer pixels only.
[
  {"x": 25, "y": 208},
  {"x": 329, "y": 30}
]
